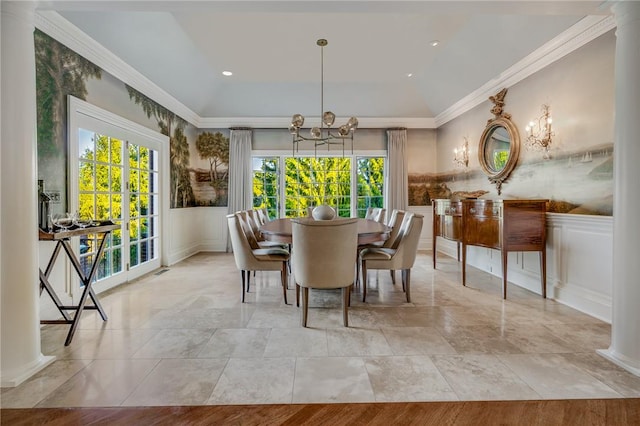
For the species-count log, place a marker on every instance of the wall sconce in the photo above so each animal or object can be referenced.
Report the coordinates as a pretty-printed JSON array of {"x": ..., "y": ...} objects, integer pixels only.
[
  {"x": 461, "y": 155},
  {"x": 539, "y": 133}
]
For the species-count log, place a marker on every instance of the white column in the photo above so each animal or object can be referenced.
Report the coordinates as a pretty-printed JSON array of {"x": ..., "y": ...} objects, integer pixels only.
[
  {"x": 625, "y": 330},
  {"x": 20, "y": 355}
]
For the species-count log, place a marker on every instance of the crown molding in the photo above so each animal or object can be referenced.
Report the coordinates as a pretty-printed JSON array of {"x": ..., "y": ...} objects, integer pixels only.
[
  {"x": 284, "y": 122},
  {"x": 578, "y": 35},
  {"x": 75, "y": 39},
  {"x": 581, "y": 33}
]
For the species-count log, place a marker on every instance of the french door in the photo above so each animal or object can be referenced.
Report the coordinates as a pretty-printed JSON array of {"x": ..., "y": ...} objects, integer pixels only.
[{"x": 115, "y": 175}]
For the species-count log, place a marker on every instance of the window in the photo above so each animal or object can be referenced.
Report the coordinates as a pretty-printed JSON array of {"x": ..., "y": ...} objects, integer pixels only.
[
  {"x": 100, "y": 194},
  {"x": 266, "y": 174},
  {"x": 370, "y": 185},
  {"x": 310, "y": 181}
]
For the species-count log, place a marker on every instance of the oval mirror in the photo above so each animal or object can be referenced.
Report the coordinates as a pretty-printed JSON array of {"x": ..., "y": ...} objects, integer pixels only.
[{"x": 499, "y": 150}]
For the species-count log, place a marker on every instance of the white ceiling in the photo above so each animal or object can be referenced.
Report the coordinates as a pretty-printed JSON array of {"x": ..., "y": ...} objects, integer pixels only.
[{"x": 271, "y": 48}]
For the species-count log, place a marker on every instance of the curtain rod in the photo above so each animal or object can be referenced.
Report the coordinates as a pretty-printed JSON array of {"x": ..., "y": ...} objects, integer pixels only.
[{"x": 240, "y": 128}]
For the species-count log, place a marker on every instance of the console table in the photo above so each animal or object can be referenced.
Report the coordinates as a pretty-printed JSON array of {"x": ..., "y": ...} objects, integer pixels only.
[
  {"x": 505, "y": 225},
  {"x": 62, "y": 241}
]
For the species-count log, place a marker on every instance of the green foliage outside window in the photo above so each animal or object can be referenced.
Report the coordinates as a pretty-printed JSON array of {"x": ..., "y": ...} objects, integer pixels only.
[
  {"x": 370, "y": 184},
  {"x": 265, "y": 185},
  {"x": 309, "y": 182},
  {"x": 101, "y": 187}
]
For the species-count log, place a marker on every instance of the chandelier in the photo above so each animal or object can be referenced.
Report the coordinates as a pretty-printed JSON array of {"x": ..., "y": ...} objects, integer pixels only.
[{"x": 323, "y": 135}]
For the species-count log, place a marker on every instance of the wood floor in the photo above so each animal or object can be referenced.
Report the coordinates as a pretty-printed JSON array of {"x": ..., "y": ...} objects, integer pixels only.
[{"x": 551, "y": 412}]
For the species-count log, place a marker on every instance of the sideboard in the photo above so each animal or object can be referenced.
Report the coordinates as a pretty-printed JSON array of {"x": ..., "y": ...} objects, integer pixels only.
[{"x": 505, "y": 225}]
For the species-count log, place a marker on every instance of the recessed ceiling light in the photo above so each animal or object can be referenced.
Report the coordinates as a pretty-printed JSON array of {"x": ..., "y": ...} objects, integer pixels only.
[
  {"x": 227, "y": 73},
  {"x": 434, "y": 43},
  {"x": 410, "y": 75}
]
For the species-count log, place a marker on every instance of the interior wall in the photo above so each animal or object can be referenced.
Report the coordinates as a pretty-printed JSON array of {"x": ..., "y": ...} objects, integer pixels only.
[
  {"x": 580, "y": 91},
  {"x": 579, "y": 88}
]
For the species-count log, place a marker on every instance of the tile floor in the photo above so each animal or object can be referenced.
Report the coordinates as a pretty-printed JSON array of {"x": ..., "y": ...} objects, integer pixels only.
[{"x": 183, "y": 338}]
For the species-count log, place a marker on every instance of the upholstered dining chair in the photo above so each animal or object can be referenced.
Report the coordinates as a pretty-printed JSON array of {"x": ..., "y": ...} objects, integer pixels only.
[
  {"x": 250, "y": 257},
  {"x": 252, "y": 219},
  {"x": 323, "y": 258},
  {"x": 400, "y": 256},
  {"x": 395, "y": 223},
  {"x": 376, "y": 213},
  {"x": 263, "y": 215}
]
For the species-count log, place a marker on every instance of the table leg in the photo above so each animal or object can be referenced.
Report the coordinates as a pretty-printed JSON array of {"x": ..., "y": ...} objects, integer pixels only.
[
  {"x": 87, "y": 281},
  {"x": 46, "y": 285}
]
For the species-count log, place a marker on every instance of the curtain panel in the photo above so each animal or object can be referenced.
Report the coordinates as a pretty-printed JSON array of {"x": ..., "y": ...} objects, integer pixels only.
[
  {"x": 240, "y": 182},
  {"x": 398, "y": 188}
]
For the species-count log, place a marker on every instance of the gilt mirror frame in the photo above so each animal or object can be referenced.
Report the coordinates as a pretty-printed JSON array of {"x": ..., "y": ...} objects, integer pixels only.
[{"x": 502, "y": 119}]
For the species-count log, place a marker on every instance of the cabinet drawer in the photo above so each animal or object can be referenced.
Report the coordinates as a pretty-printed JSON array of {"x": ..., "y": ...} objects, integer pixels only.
[{"x": 484, "y": 209}]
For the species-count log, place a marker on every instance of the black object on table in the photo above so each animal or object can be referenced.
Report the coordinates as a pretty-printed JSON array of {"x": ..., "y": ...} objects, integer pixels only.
[{"x": 62, "y": 238}]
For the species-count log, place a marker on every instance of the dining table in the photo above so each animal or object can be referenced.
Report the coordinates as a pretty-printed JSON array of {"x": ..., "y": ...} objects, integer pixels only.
[{"x": 369, "y": 231}]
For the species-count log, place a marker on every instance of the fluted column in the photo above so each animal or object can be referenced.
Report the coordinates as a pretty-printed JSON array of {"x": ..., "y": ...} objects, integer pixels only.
[
  {"x": 625, "y": 327},
  {"x": 20, "y": 355}
]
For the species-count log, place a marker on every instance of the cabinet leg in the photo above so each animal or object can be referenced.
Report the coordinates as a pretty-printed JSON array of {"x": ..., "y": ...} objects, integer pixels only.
[
  {"x": 504, "y": 274},
  {"x": 543, "y": 272},
  {"x": 464, "y": 264}
]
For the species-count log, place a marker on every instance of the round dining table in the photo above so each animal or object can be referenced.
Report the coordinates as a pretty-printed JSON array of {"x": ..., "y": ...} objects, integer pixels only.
[{"x": 369, "y": 231}]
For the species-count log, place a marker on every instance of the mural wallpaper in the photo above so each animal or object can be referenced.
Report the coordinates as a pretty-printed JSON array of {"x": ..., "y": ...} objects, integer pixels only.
[
  {"x": 61, "y": 72},
  {"x": 576, "y": 182}
]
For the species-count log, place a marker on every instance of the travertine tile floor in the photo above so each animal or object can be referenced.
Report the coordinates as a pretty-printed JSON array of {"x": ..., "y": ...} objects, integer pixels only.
[{"x": 184, "y": 338}]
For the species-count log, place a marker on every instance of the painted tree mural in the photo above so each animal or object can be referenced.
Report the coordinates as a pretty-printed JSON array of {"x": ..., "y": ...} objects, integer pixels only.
[
  {"x": 212, "y": 186},
  {"x": 59, "y": 72},
  {"x": 215, "y": 148},
  {"x": 173, "y": 126}
]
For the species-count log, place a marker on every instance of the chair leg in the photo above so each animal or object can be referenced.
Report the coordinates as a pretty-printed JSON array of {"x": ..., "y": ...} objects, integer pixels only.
[
  {"x": 345, "y": 305},
  {"x": 305, "y": 305},
  {"x": 243, "y": 286},
  {"x": 249, "y": 280},
  {"x": 408, "y": 284},
  {"x": 393, "y": 276},
  {"x": 402, "y": 277},
  {"x": 364, "y": 280},
  {"x": 297, "y": 288},
  {"x": 357, "y": 269},
  {"x": 283, "y": 278}
]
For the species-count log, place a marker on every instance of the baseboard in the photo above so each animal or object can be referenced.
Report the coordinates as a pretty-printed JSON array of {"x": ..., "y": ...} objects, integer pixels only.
[{"x": 183, "y": 254}]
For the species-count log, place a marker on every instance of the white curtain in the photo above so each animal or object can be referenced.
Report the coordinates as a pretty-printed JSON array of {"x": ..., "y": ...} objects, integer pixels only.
[
  {"x": 240, "y": 179},
  {"x": 398, "y": 188}
]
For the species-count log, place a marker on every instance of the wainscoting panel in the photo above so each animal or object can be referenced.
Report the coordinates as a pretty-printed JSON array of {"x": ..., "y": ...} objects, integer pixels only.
[
  {"x": 192, "y": 230},
  {"x": 427, "y": 225}
]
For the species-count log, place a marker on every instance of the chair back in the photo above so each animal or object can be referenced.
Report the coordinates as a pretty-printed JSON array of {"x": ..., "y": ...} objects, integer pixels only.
[
  {"x": 263, "y": 215},
  {"x": 395, "y": 223},
  {"x": 253, "y": 221},
  {"x": 324, "y": 252},
  {"x": 242, "y": 252},
  {"x": 376, "y": 213},
  {"x": 247, "y": 231},
  {"x": 407, "y": 247}
]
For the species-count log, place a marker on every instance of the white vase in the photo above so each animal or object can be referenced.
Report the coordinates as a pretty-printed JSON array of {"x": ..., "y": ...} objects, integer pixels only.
[{"x": 323, "y": 212}]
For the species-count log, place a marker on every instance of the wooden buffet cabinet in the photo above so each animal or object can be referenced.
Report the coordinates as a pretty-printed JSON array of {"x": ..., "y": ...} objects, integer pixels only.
[{"x": 505, "y": 225}]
